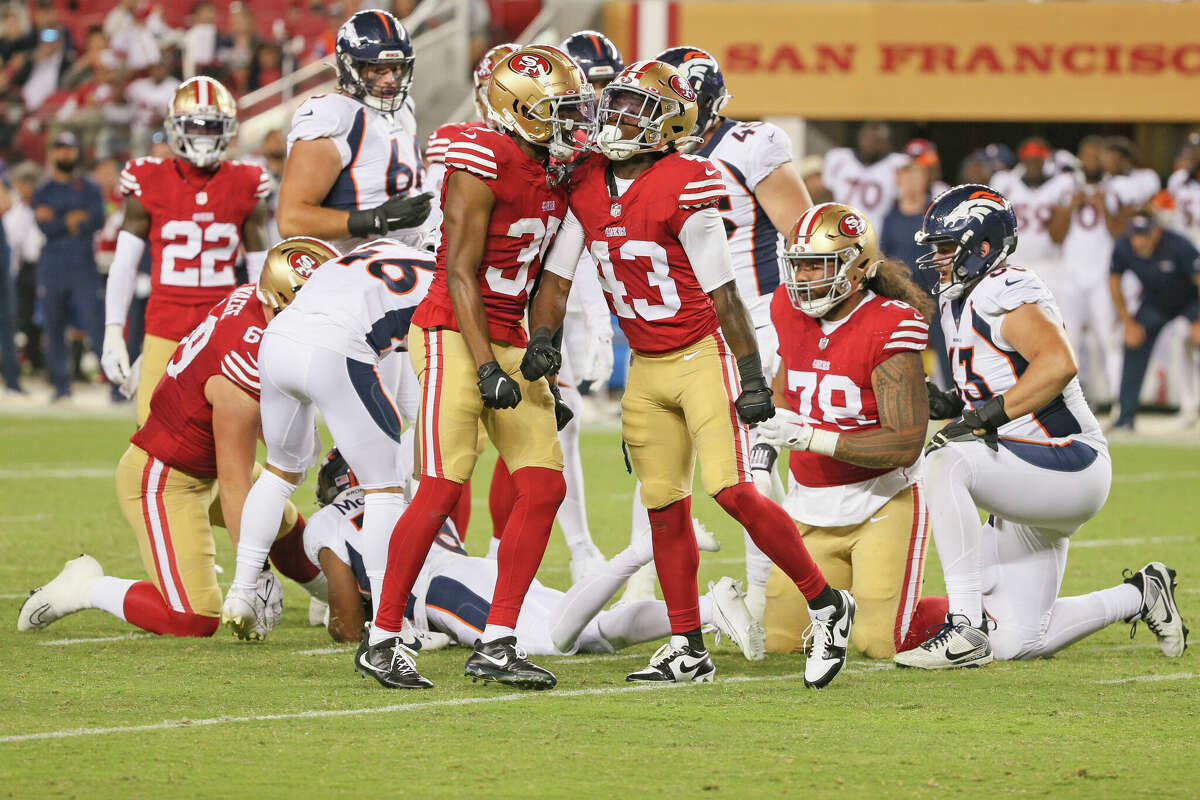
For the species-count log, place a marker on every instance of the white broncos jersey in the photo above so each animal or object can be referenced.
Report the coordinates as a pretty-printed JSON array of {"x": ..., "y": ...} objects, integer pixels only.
[
  {"x": 360, "y": 304},
  {"x": 986, "y": 365},
  {"x": 871, "y": 188},
  {"x": 746, "y": 153},
  {"x": 379, "y": 152},
  {"x": 1034, "y": 205},
  {"x": 1185, "y": 191}
]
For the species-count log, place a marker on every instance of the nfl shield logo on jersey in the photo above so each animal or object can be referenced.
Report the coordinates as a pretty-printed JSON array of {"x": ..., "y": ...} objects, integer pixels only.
[
  {"x": 821, "y": 345},
  {"x": 201, "y": 198},
  {"x": 615, "y": 210}
]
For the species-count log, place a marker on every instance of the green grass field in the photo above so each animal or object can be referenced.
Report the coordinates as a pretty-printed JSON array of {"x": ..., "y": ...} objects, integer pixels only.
[{"x": 135, "y": 715}]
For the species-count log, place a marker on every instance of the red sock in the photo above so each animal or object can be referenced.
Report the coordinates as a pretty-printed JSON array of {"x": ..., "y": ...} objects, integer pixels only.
[
  {"x": 145, "y": 608},
  {"x": 411, "y": 539},
  {"x": 540, "y": 491},
  {"x": 677, "y": 560},
  {"x": 775, "y": 534},
  {"x": 287, "y": 554},
  {"x": 461, "y": 515},
  {"x": 929, "y": 614},
  {"x": 501, "y": 496}
]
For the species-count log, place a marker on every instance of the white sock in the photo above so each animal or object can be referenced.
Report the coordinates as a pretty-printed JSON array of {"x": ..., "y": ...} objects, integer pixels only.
[
  {"x": 317, "y": 588},
  {"x": 108, "y": 594},
  {"x": 587, "y": 597},
  {"x": 1073, "y": 618},
  {"x": 381, "y": 511},
  {"x": 379, "y": 634},
  {"x": 493, "y": 632},
  {"x": 261, "y": 516},
  {"x": 957, "y": 532},
  {"x": 758, "y": 566},
  {"x": 493, "y": 547}
]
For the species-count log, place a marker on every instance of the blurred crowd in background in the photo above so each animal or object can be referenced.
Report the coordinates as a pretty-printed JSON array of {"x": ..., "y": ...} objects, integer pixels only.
[{"x": 80, "y": 94}]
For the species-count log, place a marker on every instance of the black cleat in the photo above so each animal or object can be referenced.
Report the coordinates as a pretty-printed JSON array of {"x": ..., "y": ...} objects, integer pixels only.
[
  {"x": 502, "y": 661},
  {"x": 390, "y": 663}
]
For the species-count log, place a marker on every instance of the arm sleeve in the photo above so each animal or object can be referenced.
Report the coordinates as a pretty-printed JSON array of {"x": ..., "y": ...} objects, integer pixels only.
[
  {"x": 567, "y": 248},
  {"x": 703, "y": 239},
  {"x": 122, "y": 277},
  {"x": 591, "y": 295}
]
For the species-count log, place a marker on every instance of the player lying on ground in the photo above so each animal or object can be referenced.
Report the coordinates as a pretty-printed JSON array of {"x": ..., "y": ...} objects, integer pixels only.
[
  {"x": 1026, "y": 449},
  {"x": 647, "y": 213},
  {"x": 453, "y": 592},
  {"x": 851, "y": 407},
  {"x": 197, "y": 445}
]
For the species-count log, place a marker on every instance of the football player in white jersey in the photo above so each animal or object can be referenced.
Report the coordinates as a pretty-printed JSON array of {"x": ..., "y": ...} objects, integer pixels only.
[
  {"x": 864, "y": 177},
  {"x": 766, "y": 195},
  {"x": 353, "y": 170},
  {"x": 325, "y": 356},
  {"x": 453, "y": 592},
  {"x": 1184, "y": 186},
  {"x": 1129, "y": 186},
  {"x": 1037, "y": 194},
  {"x": 1026, "y": 449}
]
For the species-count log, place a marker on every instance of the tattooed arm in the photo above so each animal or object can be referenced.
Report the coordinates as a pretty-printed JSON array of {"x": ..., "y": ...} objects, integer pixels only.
[{"x": 903, "y": 403}]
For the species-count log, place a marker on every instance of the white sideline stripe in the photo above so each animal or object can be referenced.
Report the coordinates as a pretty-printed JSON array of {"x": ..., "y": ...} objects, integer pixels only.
[
  {"x": 91, "y": 639},
  {"x": 1131, "y": 541},
  {"x": 320, "y": 651},
  {"x": 34, "y": 472},
  {"x": 1177, "y": 676},
  {"x": 24, "y": 518},
  {"x": 1150, "y": 477},
  {"x": 71, "y": 733}
]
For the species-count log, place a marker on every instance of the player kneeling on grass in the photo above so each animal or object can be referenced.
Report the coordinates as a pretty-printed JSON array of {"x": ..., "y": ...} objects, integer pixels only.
[
  {"x": 197, "y": 445},
  {"x": 453, "y": 592},
  {"x": 1025, "y": 448},
  {"x": 851, "y": 406}
]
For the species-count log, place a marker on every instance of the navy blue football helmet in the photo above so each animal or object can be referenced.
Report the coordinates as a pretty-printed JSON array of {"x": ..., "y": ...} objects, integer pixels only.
[
  {"x": 333, "y": 478},
  {"x": 704, "y": 74},
  {"x": 369, "y": 38},
  {"x": 968, "y": 216},
  {"x": 595, "y": 54}
]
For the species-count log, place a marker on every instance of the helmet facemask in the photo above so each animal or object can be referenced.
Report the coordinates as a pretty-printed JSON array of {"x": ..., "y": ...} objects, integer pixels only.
[
  {"x": 637, "y": 108},
  {"x": 571, "y": 120},
  {"x": 843, "y": 271},
  {"x": 387, "y": 99},
  {"x": 200, "y": 137}
]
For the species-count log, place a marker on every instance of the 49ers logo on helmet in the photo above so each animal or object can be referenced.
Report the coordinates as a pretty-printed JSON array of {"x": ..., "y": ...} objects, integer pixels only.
[
  {"x": 852, "y": 225},
  {"x": 529, "y": 64},
  {"x": 302, "y": 263},
  {"x": 682, "y": 88}
]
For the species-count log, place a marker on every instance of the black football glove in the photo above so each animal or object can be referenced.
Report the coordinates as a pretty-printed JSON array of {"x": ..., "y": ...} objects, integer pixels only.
[
  {"x": 541, "y": 356},
  {"x": 398, "y": 211},
  {"x": 988, "y": 417},
  {"x": 943, "y": 405},
  {"x": 562, "y": 412},
  {"x": 496, "y": 388},
  {"x": 754, "y": 404}
]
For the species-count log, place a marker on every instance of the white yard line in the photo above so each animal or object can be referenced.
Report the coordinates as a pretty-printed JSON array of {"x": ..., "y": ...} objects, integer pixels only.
[
  {"x": 1178, "y": 676},
  {"x": 95, "y": 639},
  {"x": 15, "y": 518},
  {"x": 1136, "y": 540},
  {"x": 320, "y": 651},
  {"x": 71, "y": 733},
  {"x": 41, "y": 471}
]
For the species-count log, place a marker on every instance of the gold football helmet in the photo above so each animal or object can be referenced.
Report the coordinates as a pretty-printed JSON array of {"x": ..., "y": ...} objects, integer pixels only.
[
  {"x": 288, "y": 265},
  {"x": 540, "y": 94},
  {"x": 837, "y": 239},
  {"x": 201, "y": 121},
  {"x": 653, "y": 98},
  {"x": 483, "y": 72}
]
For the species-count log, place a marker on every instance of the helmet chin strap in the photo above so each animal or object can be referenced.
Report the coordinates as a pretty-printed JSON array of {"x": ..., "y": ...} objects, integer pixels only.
[{"x": 613, "y": 146}]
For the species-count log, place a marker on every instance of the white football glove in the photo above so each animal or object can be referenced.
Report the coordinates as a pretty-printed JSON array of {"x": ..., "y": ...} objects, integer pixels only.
[
  {"x": 598, "y": 358},
  {"x": 269, "y": 594},
  {"x": 114, "y": 355},
  {"x": 785, "y": 429},
  {"x": 762, "y": 469}
]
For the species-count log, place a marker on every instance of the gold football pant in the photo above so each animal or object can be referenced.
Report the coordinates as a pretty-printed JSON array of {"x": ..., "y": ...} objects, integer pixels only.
[
  {"x": 679, "y": 406},
  {"x": 447, "y": 436},
  {"x": 156, "y": 354},
  {"x": 881, "y": 561}
]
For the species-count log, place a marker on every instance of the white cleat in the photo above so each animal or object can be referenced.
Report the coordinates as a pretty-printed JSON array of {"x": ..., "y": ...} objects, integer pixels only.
[
  {"x": 830, "y": 636},
  {"x": 1156, "y": 582},
  {"x": 756, "y": 600},
  {"x": 66, "y": 593},
  {"x": 318, "y": 613},
  {"x": 705, "y": 540},
  {"x": 957, "y": 643},
  {"x": 245, "y": 615},
  {"x": 733, "y": 620},
  {"x": 586, "y": 562}
]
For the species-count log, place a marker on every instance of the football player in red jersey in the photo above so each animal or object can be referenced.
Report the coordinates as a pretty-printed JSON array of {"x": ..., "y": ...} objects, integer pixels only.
[
  {"x": 501, "y": 212},
  {"x": 852, "y": 407},
  {"x": 196, "y": 211},
  {"x": 197, "y": 444},
  {"x": 648, "y": 216}
]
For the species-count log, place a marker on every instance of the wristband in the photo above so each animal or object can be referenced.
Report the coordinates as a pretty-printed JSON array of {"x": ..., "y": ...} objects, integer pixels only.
[
  {"x": 750, "y": 368},
  {"x": 366, "y": 222},
  {"x": 992, "y": 412},
  {"x": 823, "y": 442}
]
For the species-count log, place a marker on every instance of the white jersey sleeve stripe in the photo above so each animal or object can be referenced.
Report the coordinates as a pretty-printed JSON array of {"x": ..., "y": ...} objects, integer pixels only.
[
  {"x": 918, "y": 346},
  {"x": 918, "y": 336},
  {"x": 913, "y": 323},
  {"x": 478, "y": 148},
  {"x": 248, "y": 368},
  {"x": 717, "y": 182}
]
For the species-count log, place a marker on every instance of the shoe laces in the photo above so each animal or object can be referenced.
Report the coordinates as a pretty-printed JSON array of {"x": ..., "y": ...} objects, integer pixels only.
[
  {"x": 402, "y": 655},
  {"x": 663, "y": 654},
  {"x": 820, "y": 632},
  {"x": 939, "y": 638}
]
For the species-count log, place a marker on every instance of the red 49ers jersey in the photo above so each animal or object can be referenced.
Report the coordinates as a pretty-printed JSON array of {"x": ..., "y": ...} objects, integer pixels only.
[
  {"x": 828, "y": 373},
  {"x": 634, "y": 239},
  {"x": 196, "y": 222},
  {"x": 524, "y": 220},
  {"x": 179, "y": 429}
]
